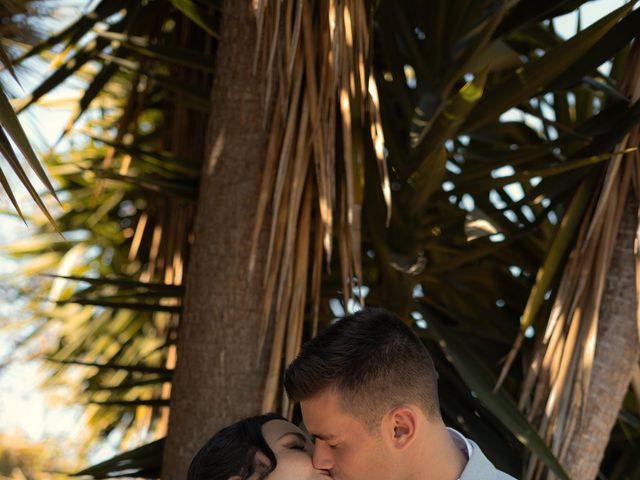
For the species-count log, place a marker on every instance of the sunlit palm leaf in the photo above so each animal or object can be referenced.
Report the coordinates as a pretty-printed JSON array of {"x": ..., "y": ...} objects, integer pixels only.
[
  {"x": 143, "y": 462},
  {"x": 12, "y": 133}
]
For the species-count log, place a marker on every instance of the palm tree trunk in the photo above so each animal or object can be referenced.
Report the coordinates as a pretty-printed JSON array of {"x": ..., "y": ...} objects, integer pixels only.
[
  {"x": 616, "y": 356},
  {"x": 219, "y": 374}
]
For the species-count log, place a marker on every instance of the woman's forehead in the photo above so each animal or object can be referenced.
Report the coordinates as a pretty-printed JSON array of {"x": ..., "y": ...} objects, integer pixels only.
[{"x": 273, "y": 430}]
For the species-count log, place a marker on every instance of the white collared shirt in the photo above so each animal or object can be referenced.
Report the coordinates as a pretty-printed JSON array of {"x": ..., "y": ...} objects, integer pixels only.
[{"x": 461, "y": 442}]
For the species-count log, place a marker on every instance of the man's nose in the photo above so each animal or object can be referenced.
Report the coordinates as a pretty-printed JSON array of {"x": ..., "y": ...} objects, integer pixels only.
[{"x": 322, "y": 457}]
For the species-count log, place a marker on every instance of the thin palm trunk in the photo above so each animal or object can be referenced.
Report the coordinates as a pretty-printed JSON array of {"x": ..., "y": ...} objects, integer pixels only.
[
  {"x": 616, "y": 356},
  {"x": 219, "y": 373}
]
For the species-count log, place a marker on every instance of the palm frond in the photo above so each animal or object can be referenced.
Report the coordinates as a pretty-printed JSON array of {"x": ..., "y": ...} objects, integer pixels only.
[{"x": 326, "y": 93}]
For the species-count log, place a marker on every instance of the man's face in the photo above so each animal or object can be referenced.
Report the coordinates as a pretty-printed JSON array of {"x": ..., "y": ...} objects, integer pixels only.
[{"x": 344, "y": 445}]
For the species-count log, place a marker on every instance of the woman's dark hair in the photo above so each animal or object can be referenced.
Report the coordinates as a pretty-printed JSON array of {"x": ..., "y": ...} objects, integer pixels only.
[{"x": 232, "y": 451}]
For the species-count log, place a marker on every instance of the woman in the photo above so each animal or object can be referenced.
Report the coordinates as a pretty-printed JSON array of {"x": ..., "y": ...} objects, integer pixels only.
[{"x": 257, "y": 448}]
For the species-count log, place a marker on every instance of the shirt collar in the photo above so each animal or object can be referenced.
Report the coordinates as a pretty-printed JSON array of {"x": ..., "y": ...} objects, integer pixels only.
[{"x": 461, "y": 442}]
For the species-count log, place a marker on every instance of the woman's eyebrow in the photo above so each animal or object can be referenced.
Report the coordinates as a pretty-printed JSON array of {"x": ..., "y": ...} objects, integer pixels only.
[
  {"x": 324, "y": 437},
  {"x": 296, "y": 434}
]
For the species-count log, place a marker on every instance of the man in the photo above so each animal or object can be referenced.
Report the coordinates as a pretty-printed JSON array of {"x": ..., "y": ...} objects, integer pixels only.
[{"x": 368, "y": 392}]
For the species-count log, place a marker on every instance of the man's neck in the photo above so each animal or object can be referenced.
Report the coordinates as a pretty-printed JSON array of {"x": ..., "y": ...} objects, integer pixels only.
[{"x": 437, "y": 457}]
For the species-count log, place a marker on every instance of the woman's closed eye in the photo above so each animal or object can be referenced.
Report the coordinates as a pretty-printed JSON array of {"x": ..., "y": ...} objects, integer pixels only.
[
  {"x": 296, "y": 441},
  {"x": 298, "y": 446}
]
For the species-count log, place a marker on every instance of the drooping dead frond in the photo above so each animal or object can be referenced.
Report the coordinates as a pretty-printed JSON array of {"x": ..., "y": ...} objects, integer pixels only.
[
  {"x": 317, "y": 54},
  {"x": 555, "y": 394}
]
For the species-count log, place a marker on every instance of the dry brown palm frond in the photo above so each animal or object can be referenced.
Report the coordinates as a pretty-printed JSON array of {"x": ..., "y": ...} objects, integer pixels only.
[
  {"x": 556, "y": 390},
  {"x": 317, "y": 55}
]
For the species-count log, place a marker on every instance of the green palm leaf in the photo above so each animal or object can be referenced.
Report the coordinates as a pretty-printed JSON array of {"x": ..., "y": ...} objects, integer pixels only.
[
  {"x": 143, "y": 462},
  {"x": 481, "y": 382}
]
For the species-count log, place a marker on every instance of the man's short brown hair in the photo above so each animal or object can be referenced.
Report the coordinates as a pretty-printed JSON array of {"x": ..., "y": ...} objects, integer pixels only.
[{"x": 372, "y": 360}]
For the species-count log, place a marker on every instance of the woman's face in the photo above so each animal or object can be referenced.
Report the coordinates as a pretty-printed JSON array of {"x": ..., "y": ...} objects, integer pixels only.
[{"x": 293, "y": 451}]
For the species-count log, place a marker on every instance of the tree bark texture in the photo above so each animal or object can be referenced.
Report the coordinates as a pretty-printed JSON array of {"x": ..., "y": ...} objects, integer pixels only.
[
  {"x": 218, "y": 377},
  {"x": 616, "y": 356}
]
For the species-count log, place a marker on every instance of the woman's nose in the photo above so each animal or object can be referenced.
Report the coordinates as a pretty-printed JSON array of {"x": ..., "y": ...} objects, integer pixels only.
[{"x": 322, "y": 458}]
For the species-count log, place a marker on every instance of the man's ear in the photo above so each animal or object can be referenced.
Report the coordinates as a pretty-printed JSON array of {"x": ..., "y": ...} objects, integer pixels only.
[{"x": 400, "y": 425}]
